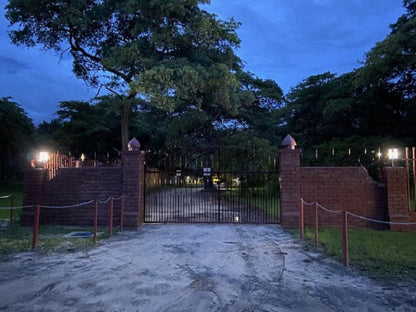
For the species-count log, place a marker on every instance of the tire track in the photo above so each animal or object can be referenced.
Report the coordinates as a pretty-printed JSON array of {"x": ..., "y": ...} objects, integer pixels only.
[{"x": 277, "y": 267}]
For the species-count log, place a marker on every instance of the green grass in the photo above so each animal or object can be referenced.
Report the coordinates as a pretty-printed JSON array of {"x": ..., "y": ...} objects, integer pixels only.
[
  {"x": 267, "y": 202},
  {"x": 382, "y": 255},
  {"x": 51, "y": 238},
  {"x": 16, "y": 189}
]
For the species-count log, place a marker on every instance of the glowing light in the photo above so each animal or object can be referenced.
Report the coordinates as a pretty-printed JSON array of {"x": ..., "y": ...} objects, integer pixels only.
[
  {"x": 393, "y": 153},
  {"x": 82, "y": 157},
  {"x": 43, "y": 157}
]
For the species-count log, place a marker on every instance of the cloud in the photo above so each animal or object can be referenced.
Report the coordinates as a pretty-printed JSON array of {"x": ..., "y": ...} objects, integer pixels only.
[{"x": 12, "y": 66}]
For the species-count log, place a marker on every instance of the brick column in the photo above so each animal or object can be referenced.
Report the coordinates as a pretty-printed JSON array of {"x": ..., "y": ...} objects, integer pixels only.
[
  {"x": 289, "y": 187},
  {"x": 133, "y": 187},
  {"x": 397, "y": 198},
  {"x": 32, "y": 192}
]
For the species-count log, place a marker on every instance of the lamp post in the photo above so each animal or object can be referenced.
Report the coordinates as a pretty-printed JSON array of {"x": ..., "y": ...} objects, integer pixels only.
[
  {"x": 43, "y": 159},
  {"x": 393, "y": 155}
]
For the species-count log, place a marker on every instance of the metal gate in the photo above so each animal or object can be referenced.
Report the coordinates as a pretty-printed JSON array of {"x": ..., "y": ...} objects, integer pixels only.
[{"x": 209, "y": 190}]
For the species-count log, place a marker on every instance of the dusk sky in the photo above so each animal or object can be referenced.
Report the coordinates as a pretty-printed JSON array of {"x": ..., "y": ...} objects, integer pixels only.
[{"x": 286, "y": 41}]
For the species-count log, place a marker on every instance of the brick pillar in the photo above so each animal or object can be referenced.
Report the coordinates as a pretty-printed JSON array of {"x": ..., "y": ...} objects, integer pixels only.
[
  {"x": 32, "y": 193},
  {"x": 397, "y": 198},
  {"x": 133, "y": 187},
  {"x": 289, "y": 187}
]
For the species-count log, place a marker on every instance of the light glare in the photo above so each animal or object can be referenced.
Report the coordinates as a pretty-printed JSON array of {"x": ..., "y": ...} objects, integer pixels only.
[
  {"x": 393, "y": 153},
  {"x": 43, "y": 157}
]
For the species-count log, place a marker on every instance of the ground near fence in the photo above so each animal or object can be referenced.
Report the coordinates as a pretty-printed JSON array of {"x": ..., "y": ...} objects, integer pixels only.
[{"x": 193, "y": 268}]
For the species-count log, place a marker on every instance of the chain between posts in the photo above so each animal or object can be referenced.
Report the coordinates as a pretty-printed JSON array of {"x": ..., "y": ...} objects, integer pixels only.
[
  {"x": 37, "y": 208},
  {"x": 344, "y": 224}
]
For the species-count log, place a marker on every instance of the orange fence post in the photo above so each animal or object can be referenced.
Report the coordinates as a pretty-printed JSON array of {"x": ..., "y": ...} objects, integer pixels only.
[
  {"x": 36, "y": 215},
  {"x": 110, "y": 216},
  {"x": 95, "y": 221},
  {"x": 316, "y": 225},
  {"x": 122, "y": 213},
  {"x": 407, "y": 158},
  {"x": 11, "y": 210},
  {"x": 301, "y": 221},
  {"x": 344, "y": 228}
]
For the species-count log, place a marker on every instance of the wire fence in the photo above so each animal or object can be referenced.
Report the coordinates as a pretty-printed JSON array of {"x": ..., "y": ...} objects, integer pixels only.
[
  {"x": 37, "y": 210},
  {"x": 344, "y": 224}
]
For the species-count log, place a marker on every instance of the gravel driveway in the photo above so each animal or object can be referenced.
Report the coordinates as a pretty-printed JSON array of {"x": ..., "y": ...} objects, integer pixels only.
[{"x": 204, "y": 267}]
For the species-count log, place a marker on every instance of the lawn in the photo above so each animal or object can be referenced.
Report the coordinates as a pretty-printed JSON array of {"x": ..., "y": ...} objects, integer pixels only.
[
  {"x": 51, "y": 238},
  {"x": 14, "y": 188},
  {"x": 18, "y": 238},
  {"x": 265, "y": 201},
  {"x": 379, "y": 254}
]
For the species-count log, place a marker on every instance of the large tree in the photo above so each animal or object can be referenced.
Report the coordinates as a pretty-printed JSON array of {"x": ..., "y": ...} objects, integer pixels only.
[
  {"x": 16, "y": 133},
  {"x": 389, "y": 73},
  {"x": 115, "y": 42}
]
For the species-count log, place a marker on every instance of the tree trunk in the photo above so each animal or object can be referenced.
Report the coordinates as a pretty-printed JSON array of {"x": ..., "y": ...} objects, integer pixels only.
[{"x": 125, "y": 115}]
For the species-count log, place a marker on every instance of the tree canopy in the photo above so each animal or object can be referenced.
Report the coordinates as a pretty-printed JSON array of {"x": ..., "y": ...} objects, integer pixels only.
[
  {"x": 16, "y": 135},
  {"x": 115, "y": 43}
]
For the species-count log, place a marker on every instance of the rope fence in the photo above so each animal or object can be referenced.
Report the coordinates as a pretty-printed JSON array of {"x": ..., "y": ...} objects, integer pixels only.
[
  {"x": 37, "y": 209},
  {"x": 344, "y": 224}
]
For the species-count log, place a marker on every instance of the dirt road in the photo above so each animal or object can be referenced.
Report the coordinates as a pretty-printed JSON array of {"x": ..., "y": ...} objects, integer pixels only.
[{"x": 193, "y": 268}]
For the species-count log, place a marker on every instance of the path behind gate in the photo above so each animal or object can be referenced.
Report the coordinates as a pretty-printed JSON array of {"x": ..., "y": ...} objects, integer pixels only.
[{"x": 194, "y": 205}]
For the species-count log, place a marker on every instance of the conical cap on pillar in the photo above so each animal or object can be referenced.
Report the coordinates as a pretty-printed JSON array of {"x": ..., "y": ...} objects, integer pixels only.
[
  {"x": 133, "y": 145},
  {"x": 289, "y": 142}
]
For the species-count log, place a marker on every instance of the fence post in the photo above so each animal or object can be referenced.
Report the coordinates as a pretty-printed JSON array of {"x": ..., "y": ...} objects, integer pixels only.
[
  {"x": 301, "y": 221},
  {"x": 36, "y": 215},
  {"x": 408, "y": 175},
  {"x": 316, "y": 225},
  {"x": 11, "y": 210},
  {"x": 344, "y": 227},
  {"x": 122, "y": 213},
  {"x": 110, "y": 216},
  {"x": 95, "y": 221}
]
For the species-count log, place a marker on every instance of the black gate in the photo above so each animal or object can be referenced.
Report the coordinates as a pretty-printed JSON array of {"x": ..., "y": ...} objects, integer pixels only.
[{"x": 227, "y": 187}]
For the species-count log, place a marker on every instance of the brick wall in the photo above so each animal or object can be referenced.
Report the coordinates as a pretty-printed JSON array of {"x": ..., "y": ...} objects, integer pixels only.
[
  {"x": 72, "y": 186},
  {"x": 342, "y": 188}
]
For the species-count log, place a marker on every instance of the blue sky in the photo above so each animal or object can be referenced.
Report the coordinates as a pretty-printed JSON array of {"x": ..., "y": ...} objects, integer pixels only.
[{"x": 286, "y": 41}]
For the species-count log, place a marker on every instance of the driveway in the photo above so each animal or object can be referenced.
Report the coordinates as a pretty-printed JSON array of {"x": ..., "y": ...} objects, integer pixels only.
[
  {"x": 192, "y": 204},
  {"x": 203, "y": 267}
]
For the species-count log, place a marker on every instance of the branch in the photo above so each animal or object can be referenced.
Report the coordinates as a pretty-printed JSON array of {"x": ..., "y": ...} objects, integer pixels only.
[
  {"x": 75, "y": 46},
  {"x": 112, "y": 91}
]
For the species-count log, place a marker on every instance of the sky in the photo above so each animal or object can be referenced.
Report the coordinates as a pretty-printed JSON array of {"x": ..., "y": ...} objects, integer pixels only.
[{"x": 283, "y": 40}]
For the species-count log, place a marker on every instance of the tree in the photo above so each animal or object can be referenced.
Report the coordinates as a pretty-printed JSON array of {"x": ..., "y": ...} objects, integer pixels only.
[
  {"x": 260, "y": 106},
  {"x": 91, "y": 128},
  {"x": 16, "y": 135},
  {"x": 390, "y": 71},
  {"x": 393, "y": 60},
  {"x": 115, "y": 42},
  {"x": 304, "y": 108}
]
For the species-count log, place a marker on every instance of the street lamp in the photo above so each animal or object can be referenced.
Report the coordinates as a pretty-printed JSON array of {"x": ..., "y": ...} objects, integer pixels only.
[
  {"x": 43, "y": 157},
  {"x": 393, "y": 155}
]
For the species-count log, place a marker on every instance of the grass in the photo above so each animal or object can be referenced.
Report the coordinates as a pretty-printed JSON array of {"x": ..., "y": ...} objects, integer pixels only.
[
  {"x": 381, "y": 255},
  {"x": 51, "y": 238},
  {"x": 269, "y": 203},
  {"x": 14, "y": 188}
]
